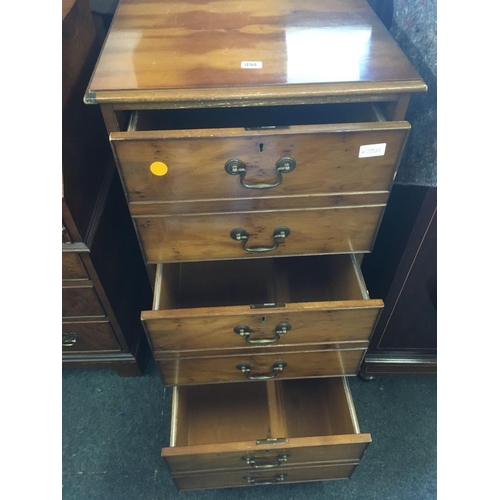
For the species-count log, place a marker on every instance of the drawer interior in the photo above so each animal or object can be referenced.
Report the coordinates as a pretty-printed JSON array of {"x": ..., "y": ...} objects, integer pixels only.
[
  {"x": 226, "y": 413},
  {"x": 258, "y": 281},
  {"x": 255, "y": 117}
]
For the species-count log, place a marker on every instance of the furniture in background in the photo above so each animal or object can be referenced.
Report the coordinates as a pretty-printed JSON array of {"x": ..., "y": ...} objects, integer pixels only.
[
  {"x": 402, "y": 269},
  {"x": 104, "y": 282},
  {"x": 257, "y": 144}
]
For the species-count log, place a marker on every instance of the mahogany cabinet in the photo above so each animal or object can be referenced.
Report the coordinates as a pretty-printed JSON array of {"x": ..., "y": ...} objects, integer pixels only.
[
  {"x": 104, "y": 282},
  {"x": 402, "y": 269}
]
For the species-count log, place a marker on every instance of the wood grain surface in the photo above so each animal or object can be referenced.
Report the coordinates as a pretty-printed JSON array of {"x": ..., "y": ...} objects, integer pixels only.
[
  {"x": 281, "y": 476},
  {"x": 81, "y": 302},
  {"x": 211, "y": 369},
  {"x": 156, "y": 46},
  {"x": 301, "y": 451},
  {"x": 72, "y": 267},
  {"x": 91, "y": 336},
  {"x": 207, "y": 237},
  {"x": 259, "y": 204},
  {"x": 311, "y": 323},
  {"x": 327, "y": 161},
  {"x": 202, "y": 306},
  {"x": 216, "y": 425}
]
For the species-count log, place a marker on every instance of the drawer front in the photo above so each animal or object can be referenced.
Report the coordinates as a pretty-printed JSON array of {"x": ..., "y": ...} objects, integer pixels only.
[
  {"x": 326, "y": 159},
  {"x": 256, "y": 478},
  {"x": 209, "y": 237},
  {"x": 72, "y": 267},
  {"x": 199, "y": 370},
  {"x": 299, "y": 451},
  {"x": 299, "y": 323},
  {"x": 81, "y": 301},
  {"x": 89, "y": 336}
]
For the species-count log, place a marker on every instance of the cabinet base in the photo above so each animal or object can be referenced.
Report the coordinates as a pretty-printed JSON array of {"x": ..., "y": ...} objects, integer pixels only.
[
  {"x": 124, "y": 363},
  {"x": 397, "y": 363}
]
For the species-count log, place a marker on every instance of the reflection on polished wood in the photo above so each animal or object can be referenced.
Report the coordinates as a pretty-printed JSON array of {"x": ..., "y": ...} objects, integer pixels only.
[{"x": 156, "y": 46}]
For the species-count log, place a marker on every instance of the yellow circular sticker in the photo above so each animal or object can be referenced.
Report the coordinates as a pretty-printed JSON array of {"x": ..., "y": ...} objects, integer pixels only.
[{"x": 158, "y": 168}]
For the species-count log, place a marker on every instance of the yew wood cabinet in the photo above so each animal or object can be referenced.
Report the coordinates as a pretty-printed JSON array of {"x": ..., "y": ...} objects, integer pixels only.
[{"x": 257, "y": 143}]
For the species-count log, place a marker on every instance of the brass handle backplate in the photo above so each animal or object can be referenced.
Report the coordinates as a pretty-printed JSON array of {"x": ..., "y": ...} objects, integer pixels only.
[
  {"x": 277, "y": 367},
  {"x": 279, "y": 234},
  {"x": 245, "y": 332},
  {"x": 69, "y": 339},
  {"x": 264, "y": 463},
  {"x": 277, "y": 478},
  {"x": 237, "y": 167}
]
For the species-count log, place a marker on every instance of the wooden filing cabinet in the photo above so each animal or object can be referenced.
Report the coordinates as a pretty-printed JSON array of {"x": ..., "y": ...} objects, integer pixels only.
[
  {"x": 104, "y": 281},
  {"x": 256, "y": 147}
]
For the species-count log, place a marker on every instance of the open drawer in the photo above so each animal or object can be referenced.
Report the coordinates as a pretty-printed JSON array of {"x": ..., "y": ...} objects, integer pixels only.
[
  {"x": 172, "y": 156},
  {"x": 209, "y": 317},
  {"x": 276, "y": 427}
]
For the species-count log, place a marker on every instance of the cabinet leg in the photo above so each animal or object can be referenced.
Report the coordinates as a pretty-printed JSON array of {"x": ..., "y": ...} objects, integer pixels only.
[{"x": 364, "y": 377}]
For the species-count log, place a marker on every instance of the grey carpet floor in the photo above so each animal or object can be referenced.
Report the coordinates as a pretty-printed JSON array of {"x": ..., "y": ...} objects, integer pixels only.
[{"x": 114, "y": 427}]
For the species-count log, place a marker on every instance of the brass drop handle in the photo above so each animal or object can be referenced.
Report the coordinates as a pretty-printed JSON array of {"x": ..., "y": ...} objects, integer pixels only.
[
  {"x": 245, "y": 332},
  {"x": 69, "y": 339},
  {"x": 277, "y": 478},
  {"x": 237, "y": 167},
  {"x": 279, "y": 234},
  {"x": 259, "y": 463},
  {"x": 277, "y": 367}
]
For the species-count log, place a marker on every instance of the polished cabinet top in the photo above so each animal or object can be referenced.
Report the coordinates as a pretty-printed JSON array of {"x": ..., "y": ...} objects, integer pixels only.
[{"x": 156, "y": 48}]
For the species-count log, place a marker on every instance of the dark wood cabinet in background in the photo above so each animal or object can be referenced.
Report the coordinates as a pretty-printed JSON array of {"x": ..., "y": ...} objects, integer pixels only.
[
  {"x": 104, "y": 281},
  {"x": 402, "y": 269}
]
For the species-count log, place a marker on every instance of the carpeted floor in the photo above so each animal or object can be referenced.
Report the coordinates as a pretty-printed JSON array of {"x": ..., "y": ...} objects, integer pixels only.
[{"x": 114, "y": 428}]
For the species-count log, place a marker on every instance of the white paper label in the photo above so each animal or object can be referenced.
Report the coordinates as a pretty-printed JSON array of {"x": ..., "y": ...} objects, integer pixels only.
[
  {"x": 372, "y": 150},
  {"x": 251, "y": 64}
]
